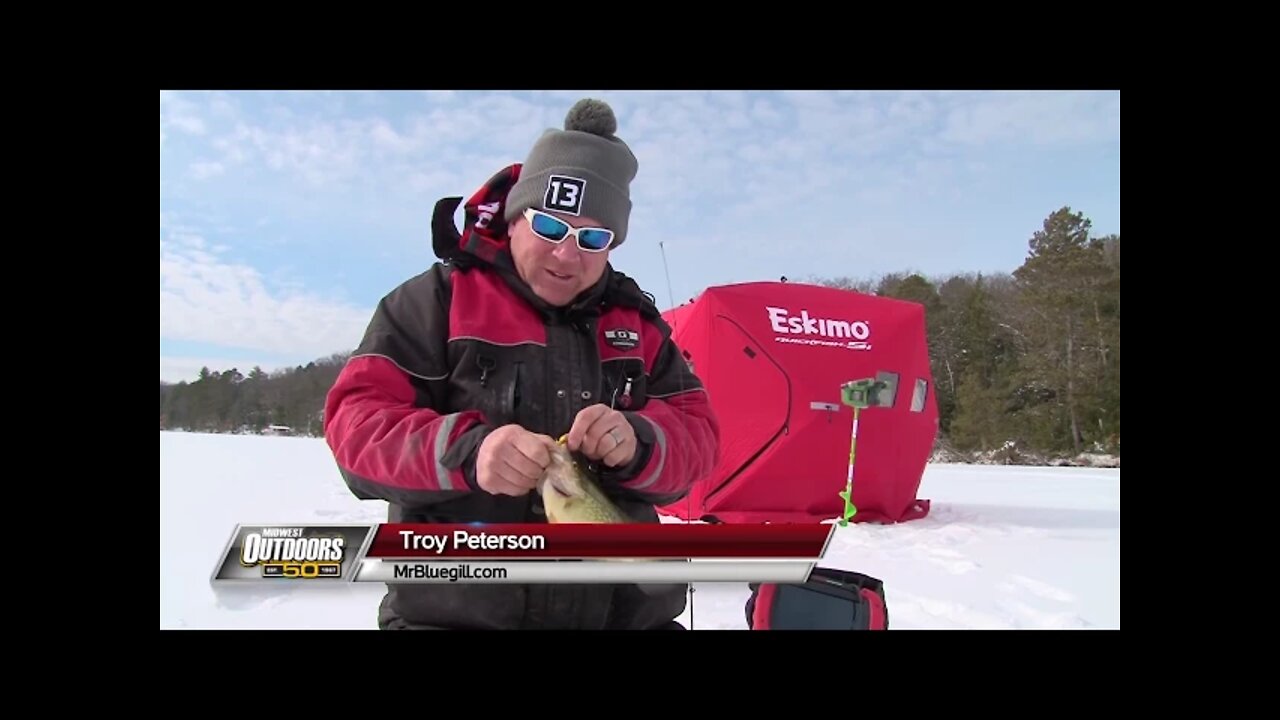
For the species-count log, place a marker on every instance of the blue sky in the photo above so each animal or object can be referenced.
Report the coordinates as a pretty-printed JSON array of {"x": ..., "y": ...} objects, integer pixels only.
[{"x": 285, "y": 216}]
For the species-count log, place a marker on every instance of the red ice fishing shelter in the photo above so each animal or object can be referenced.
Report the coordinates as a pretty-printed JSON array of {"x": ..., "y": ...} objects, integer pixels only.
[{"x": 773, "y": 356}]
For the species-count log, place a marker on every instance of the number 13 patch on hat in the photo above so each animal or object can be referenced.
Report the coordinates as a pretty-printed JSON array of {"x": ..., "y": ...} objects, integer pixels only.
[{"x": 564, "y": 194}]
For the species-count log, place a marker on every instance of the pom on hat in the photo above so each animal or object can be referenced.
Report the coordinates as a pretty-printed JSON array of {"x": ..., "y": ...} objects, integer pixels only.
[
  {"x": 591, "y": 116},
  {"x": 584, "y": 170}
]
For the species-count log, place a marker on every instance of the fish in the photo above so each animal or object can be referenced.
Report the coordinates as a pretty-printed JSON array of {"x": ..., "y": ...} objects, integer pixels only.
[{"x": 571, "y": 495}]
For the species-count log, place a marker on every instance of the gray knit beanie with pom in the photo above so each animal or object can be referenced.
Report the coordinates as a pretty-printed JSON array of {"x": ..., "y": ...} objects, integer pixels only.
[{"x": 583, "y": 170}]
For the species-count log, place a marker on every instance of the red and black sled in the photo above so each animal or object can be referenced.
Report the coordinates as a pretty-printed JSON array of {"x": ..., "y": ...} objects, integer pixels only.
[{"x": 830, "y": 600}]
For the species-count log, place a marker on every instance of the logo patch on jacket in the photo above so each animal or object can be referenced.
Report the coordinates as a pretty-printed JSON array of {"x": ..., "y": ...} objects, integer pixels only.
[{"x": 622, "y": 338}]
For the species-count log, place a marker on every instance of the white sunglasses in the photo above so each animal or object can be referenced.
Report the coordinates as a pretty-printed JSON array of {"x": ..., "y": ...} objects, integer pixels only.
[{"x": 554, "y": 230}]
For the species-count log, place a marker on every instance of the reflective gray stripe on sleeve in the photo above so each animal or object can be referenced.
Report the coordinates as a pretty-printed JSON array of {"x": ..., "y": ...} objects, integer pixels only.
[
  {"x": 442, "y": 446},
  {"x": 660, "y": 450}
]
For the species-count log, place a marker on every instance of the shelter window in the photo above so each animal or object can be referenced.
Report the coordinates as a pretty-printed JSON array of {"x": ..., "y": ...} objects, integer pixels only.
[
  {"x": 887, "y": 397},
  {"x": 918, "y": 397}
]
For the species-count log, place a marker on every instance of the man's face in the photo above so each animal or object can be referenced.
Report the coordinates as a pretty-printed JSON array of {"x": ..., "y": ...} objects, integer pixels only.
[{"x": 557, "y": 272}]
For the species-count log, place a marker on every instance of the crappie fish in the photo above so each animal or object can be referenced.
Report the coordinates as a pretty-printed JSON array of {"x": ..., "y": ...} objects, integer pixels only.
[{"x": 571, "y": 495}]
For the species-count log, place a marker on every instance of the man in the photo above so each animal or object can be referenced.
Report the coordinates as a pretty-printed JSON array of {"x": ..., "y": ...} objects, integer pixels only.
[{"x": 469, "y": 371}]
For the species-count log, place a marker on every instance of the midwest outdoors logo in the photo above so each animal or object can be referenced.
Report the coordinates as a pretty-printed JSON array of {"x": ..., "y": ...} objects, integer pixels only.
[
  {"x": 804, "y": 329},
  {"x": 285, "y": 552}
]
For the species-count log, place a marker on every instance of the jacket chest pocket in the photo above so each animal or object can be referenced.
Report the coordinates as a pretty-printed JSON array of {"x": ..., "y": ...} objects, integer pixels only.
[
  {"x": 625, "y": 384},
  {"x": 495, "y": 385}
]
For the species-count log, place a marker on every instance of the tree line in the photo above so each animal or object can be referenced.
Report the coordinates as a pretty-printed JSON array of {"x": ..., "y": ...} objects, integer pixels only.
[
  {"x": 1031, "y": 357},
  {"x": 230, "y": 401}
]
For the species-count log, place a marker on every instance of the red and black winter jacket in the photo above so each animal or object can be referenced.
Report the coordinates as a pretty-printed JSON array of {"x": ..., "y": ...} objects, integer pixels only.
[{"x": 465, "y": 347}]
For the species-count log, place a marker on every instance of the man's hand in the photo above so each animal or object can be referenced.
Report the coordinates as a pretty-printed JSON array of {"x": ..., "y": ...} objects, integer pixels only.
[
  {"x": 511, "y": 460},
  {"x": 603, "y": 434}
]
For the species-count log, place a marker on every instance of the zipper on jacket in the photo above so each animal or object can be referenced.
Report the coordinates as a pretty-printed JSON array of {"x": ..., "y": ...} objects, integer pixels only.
[
  {"x": 515, "y": 389},
  {"x": 621, "y": 399},
  {"x": 485, "y": 364},
  {"x": 625, "y": 400}
]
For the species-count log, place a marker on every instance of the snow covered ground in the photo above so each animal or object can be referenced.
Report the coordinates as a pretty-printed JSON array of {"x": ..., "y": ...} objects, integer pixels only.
[{"x": 1003, "y": 548}]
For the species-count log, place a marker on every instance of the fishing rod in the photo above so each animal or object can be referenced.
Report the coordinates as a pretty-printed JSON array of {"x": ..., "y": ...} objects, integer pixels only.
[{"x": 689, "y": 496}]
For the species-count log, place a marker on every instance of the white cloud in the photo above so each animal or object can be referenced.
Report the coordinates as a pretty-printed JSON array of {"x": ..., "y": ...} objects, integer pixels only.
[
  {"x": 188, "y": 123},
  {"x": 765, "y": 113},
  {"x": 1041, "y": 118},
  {"x": 385, "y": 137},
  {"x": 206, "y": 299},
  {"x": 320, "y": 154},
  {"x": 224, "y": 105},
  {"x": 742, "y": 169},
  {"x": 179, "y": 113},
  {"x": 204, "y": 169},
  {"x": 440, "y": 96},
  {"x": 416, "y": 152}
]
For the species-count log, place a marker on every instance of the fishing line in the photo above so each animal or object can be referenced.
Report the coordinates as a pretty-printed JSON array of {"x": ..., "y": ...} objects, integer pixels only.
[{"x": 671, "y": 298}]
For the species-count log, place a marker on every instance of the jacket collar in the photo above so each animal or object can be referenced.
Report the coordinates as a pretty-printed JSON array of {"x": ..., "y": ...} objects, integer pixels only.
[{"x": 588, "y": 303}]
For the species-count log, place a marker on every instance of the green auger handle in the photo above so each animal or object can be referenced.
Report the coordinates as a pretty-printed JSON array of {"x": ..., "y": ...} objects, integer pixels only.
[{"x": 862, "y": 393}]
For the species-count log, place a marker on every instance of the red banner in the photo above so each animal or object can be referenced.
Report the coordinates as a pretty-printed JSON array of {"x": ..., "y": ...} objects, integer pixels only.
[{"x": 657, "y": 540}]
